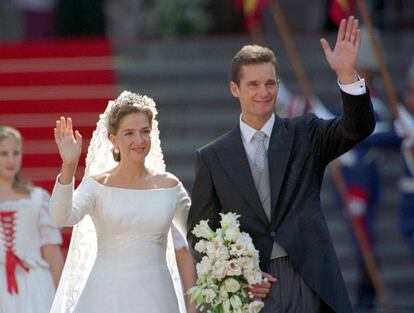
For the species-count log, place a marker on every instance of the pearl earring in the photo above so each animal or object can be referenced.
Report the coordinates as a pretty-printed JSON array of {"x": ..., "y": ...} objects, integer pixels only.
[{"x": 116, "y": 150}]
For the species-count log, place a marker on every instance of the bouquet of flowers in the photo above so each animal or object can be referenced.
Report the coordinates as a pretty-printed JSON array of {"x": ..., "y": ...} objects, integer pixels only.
[{"x": 230, "y": 266}]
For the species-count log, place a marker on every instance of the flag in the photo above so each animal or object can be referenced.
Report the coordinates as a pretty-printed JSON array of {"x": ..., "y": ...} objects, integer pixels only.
[
  {"x": 340, "y": 9},
  {"x": 252, "y": 11}
]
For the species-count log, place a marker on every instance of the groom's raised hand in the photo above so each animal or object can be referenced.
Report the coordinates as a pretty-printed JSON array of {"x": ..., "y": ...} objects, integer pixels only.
[
  {"x": 343, "y": 58},
  {"x": 260, "y": 291}
]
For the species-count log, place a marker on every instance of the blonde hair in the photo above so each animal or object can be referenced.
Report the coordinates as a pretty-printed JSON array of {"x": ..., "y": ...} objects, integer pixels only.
[{"x": 19, "y": 185}]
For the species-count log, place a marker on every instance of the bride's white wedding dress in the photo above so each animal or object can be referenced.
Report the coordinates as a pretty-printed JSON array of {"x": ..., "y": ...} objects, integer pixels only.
[{"x": 130, "y": 273}]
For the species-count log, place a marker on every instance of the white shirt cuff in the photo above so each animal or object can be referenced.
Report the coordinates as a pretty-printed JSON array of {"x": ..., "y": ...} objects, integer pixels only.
[{"x": 355, "y": 89}]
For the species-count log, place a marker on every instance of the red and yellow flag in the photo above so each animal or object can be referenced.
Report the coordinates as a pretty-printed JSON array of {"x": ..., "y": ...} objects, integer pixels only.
[
  {"x": 252, "y": 11},
  {"x": 339, "y": 9}
]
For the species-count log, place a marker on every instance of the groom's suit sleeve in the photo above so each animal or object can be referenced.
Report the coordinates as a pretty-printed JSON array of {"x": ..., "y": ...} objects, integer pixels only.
[
  {"x": 204, "y": 202},
  {"x": 331, "y": 138}
]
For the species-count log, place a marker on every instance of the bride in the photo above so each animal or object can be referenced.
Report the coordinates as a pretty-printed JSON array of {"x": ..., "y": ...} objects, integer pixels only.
[{"x": 122, "y": 210}]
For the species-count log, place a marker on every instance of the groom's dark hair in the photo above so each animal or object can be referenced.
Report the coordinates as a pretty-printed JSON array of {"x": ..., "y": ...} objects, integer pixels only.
[{"x": 251, "y": 54}]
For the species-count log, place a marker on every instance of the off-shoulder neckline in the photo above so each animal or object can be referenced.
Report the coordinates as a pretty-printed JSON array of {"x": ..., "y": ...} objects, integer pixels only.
[{"x": 134, "y": 189}]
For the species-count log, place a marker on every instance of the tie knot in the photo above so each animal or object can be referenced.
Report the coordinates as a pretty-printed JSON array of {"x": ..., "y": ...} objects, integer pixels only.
[{"x": 259, "y": 137}]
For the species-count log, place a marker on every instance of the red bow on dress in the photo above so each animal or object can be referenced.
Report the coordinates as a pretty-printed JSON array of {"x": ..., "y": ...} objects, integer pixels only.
[{"x": 12, "y": 261}]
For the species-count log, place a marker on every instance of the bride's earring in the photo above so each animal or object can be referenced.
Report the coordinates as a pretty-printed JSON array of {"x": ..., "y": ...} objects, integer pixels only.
[{"x": 116, "y": 150}]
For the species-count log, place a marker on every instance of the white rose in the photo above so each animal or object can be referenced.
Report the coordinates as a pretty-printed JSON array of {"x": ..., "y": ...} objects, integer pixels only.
[
  {"x": 245, "y": 308},
  {"x": 217, "y": 250},
  {"x": 243, "y": 262},
  {"x": 209, "y": 295},
  {"x": 233, "y": 268},
  {"x": 219, "y": 269},
  {"x": 200, "y": 246},
  {"x": 255, "y": 306},
  {"x": 245, "y": 237},
  {"x": 236, "y": 302},
  {"x": 211, "y": 249},
  {"x": 223, "y": 294},
  {"x": 231, "y": 285},
  {"x": 253, "y": 277},
  {"x": 226, "y": 306},
  {"x": 232, "y": 234},
  {"x": 202, "y": 230},
  {"x": 218, "y": 239},
  {"x": 251, "y": 250},
  {"x": 219, "y": 234},
  {"x": 222, "y": 253},
  {"x": 203, "y": 267},
  {"x": 229, "y": 220},
  {"x": 238, "y": 249},
  {"x": 246, "y": 263}
]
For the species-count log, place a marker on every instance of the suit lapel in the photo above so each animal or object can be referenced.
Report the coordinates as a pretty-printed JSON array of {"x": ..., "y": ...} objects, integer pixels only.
[
  {"x": 234, "y": 161},
  {"x": 278, "y": 158}
]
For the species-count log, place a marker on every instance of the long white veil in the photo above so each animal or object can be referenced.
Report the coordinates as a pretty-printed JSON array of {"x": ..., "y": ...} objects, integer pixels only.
[{"x": 83, "y": 245}]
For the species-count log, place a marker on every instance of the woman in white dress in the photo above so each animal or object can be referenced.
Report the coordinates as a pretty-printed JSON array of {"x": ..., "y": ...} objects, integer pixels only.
[
  {"x": 117, "y": 258},
  {"x": 30, "y": 257}
]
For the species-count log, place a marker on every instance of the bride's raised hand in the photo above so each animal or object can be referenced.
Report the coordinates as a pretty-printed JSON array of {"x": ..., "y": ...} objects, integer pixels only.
[{"x": 69, "y": 143}]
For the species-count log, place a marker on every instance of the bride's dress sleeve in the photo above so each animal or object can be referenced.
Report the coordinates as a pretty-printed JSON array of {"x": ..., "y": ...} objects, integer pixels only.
[
  {"x": 182, "y": 207},
  {"x": 68, "y": 207},
  {"x": 181, "y": 211}
]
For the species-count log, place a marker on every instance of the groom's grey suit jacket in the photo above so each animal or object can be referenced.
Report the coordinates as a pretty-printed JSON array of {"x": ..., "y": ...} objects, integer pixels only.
[{"x": 299, "y": 150}]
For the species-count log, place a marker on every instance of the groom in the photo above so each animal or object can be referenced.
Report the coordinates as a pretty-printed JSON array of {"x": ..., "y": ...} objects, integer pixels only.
[{"x": 269, "y": 171}]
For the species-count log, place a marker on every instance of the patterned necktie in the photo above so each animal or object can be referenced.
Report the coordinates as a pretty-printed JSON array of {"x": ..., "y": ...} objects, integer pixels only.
[{"x": 260, "y": 153}]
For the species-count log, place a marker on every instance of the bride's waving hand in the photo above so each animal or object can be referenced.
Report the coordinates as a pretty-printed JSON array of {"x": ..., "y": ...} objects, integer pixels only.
[{"x": 70, "y": 147}]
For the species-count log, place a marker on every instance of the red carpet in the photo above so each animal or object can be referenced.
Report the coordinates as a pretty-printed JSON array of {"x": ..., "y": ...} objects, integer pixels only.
[{"x": 39, "y": 82}]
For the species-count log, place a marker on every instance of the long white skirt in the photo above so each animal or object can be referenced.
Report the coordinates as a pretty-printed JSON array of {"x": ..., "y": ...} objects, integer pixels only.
[{"x": 35, "y": 295}]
